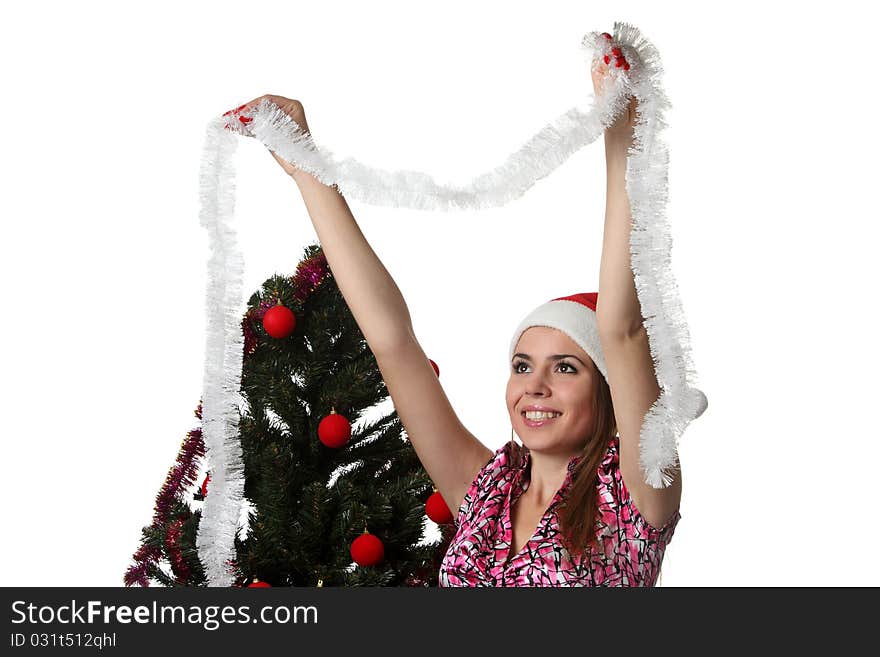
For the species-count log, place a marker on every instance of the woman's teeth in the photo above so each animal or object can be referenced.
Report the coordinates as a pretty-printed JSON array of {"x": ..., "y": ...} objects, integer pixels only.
[{"x": 534, "y": 415}]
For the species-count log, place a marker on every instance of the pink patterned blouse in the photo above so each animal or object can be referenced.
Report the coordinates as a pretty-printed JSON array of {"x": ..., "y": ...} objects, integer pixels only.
[{"x": 478, "y": 553}]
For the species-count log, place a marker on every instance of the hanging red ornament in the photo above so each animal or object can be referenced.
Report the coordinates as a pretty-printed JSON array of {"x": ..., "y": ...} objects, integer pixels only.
[
  {"x": 334, "y": 430},
  {"x": 367, "y": 550},
  {"x": 202, "y": 491},
  {"x": 436, "y": 368},
  {"x": 437, "y": 509},
  {"x": 279, "y": 321},
  {"x": 257, "y": 584}
]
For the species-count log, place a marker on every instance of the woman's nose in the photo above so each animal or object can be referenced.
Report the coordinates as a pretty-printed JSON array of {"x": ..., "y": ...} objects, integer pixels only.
[{"x": 537, "y": 385}]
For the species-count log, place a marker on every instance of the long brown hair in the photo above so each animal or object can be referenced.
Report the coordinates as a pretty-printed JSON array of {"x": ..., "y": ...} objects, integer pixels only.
[{"x": 578, "y": 513}]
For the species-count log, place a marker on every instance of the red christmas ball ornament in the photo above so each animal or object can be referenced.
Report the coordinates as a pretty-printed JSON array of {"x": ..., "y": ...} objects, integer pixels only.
[
  {"x": 606, "y": 59},
  {"x": 606, "y": 35},
  {"x": 257, "y": 584},
  {"x": 279, "y": 321},
  {"x": 334, "y": 430},
  {"x": 435, "y": 366},
  {"x": 437, "y": 509},
  {"x": 615, "y": 52},
  {"x": 367, "y": 550}
]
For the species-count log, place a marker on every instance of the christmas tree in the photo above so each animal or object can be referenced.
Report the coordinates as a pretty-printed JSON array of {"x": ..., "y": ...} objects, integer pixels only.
[{"x": 330, "y": 504}]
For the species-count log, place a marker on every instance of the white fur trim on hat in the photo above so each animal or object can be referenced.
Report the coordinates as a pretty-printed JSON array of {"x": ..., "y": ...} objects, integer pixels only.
[{"x": 574, "y": 319}]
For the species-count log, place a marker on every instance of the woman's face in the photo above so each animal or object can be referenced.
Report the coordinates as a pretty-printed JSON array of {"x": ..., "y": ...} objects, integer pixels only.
[{"x": 566, "y": 385}]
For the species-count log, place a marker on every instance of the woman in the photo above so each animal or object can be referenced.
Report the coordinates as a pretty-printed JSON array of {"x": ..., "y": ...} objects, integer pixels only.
[{"x": 570, "y": 506}]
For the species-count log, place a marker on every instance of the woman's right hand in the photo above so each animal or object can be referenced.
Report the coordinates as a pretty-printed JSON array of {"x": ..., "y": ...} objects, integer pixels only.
[{"x": 293, "y": 108}]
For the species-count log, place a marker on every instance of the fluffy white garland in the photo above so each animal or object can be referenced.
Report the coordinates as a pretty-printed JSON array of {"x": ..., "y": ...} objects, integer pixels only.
[
  {"x": 650, "y": 244},
  {"x": 224, "y": 346}
]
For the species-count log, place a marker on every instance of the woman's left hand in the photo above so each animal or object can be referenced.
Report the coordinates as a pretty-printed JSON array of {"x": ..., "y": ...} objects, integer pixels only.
[{"x": 621, "y": 131}]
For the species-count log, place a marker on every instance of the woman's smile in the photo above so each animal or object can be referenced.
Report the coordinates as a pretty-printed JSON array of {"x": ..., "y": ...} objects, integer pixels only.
[{"x": 540, "y": 420}]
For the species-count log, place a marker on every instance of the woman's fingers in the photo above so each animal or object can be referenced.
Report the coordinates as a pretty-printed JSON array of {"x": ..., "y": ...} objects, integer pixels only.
[
  {"x": 237, "y": 121},
  {"x": 232, "y": 111},
  {"x": 250, "y": 103},
  {"x": 600, "y": 76},
  {"x": 236, "y": 110}
]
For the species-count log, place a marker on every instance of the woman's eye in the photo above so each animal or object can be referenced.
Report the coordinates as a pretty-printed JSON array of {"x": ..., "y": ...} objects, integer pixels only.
[{"x": 516, "y": 366}]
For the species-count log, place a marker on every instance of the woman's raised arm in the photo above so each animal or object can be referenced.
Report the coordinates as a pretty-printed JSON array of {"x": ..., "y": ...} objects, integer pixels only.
[
  {"x": 367, "y": 287},
  {"x": 631, "y": 374},
  {"x": 372, "y": 295}
]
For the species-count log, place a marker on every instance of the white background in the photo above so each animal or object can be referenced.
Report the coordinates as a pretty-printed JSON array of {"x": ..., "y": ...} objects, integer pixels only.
[{"x": 772, "y": 144}]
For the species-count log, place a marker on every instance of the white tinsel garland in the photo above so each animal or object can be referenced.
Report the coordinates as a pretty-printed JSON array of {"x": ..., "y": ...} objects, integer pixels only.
[{"x": 650, "y": 243}]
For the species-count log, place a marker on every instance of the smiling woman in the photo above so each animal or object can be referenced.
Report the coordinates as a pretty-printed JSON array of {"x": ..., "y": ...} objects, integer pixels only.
[
  {"x": 555, "y": 510},
  {"x": 557, "y": 378}
]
